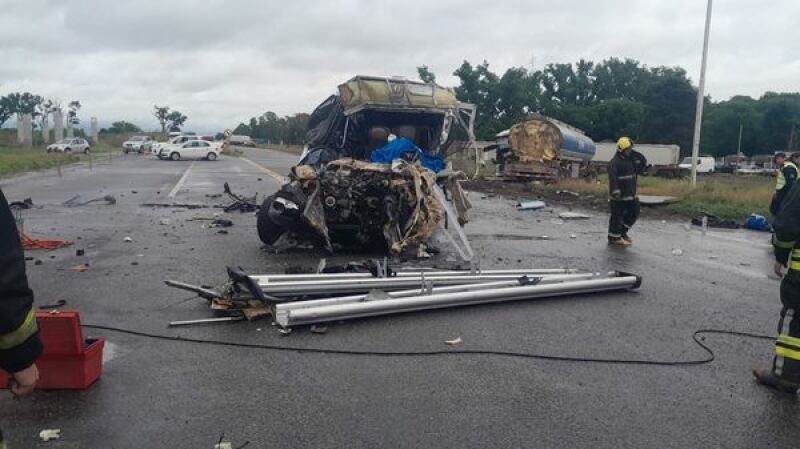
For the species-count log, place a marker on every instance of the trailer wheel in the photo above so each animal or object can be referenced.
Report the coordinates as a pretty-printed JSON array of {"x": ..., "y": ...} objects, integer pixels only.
[{"x": 268, "y": 231}]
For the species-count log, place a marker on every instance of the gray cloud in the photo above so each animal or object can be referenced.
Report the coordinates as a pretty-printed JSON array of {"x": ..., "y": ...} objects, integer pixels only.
[{"x": 223, "y": 62}]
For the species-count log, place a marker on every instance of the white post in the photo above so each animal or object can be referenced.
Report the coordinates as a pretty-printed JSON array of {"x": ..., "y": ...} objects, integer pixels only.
[
  {"x": 25, "y": 130},
  {"x": 70, "y": 132},
  {"x": 93, "y": 133},
  {"x": 698, "y": 114},
  {"x": 58, "y": 118},
  {"x": 46, "y": 128}
]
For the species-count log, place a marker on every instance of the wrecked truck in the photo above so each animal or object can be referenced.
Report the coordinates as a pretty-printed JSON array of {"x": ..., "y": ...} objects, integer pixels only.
[{"x": 372, "y": 173}]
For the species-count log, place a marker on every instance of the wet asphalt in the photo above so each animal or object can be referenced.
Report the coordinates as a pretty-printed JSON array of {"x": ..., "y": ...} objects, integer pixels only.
[{"x": 156, "y": 393}]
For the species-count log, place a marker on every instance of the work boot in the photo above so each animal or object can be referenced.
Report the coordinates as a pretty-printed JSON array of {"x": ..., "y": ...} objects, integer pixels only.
[
  {"x": 627, "y": 238},
  {"x": 769, "y": 379},
  {"x": 618, "y": 241}
]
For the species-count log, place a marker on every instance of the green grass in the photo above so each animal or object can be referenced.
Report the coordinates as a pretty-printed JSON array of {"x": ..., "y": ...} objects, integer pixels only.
[
  {"x": 734, "y": 197},
  {"x": 18, "y": 159}
]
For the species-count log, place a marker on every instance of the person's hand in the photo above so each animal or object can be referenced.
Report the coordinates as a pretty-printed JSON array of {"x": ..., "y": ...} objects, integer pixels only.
[
  {"x": 23, "y": 382},
  {"x": 778, "y": 269}
]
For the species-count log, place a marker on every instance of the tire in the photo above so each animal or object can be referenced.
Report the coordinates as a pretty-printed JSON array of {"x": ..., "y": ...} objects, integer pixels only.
[
  {"x": 212, "y": 156},
  {"x": 175, "y": 156},
  {"x": 86, "y": 151},
  {"x": 268, "y": 231},
  {"x": 68, "y": 150},
  {"x": 49, "y": 150}
]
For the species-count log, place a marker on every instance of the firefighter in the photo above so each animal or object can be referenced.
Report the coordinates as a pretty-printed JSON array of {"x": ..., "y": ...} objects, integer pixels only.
[
  {"x": 787, "y": 174},
  {"x": 785, "y": 372},
  {"x": 19, "y": 334},
  {"x": 623, "y": 171}
]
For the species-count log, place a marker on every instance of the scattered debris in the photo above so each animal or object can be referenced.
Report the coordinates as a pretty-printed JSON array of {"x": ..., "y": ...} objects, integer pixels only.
[
  {"x": 37, "y": 262},
  {"x": 80, "y": 268},
  {"x": 27, "y": 203},
  {"x": 128, "y": 239},
  {"x": 454, "y": 341},
  {"x": 557, "y": 221},
  {"x": 74, "y": 201},
  {"x": 655, "y": 200},
  {"x": 50, "y": 434},
  {"x": 531, "y": 205},
  {"x": 240, "y": 203},
  {"x": 573, "y": 236},
  {"x": 213, "y": 195},
  {"x": 164, "y": 222},
  {"x": 79, "y": 252},
  {"x": 134, "y": 192},
  {"x": 30, "y": 243},
  {"x": 315, "y": 329},
  {"x": 181, "y": 205},
  {"x": 222, "y": 231},
  {"x": 757, "y": 222},
  {"x": 221, "y": 223},
  {"x": 712, "y": 221},
  {"x": 573, "y": 216},
  {"x": 567, "y": 192},
  {"x": 677, "y": 252},
  {"x": 507, "y": 237}
]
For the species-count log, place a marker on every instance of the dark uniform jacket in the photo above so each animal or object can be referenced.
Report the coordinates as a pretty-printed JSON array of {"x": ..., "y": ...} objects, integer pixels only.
[
  {"x": 19, "y": 334},
  {"x": 786, "y": 180},
  {"x": 623, "y": 171}
]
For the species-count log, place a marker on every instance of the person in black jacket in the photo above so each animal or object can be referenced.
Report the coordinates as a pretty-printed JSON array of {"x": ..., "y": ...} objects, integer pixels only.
[
  {"x": 787, "y": 175},
  {"x": 623, "y": 171},
  {"x": 19, "y": 334},
  {"x": 785, "y": 372}
]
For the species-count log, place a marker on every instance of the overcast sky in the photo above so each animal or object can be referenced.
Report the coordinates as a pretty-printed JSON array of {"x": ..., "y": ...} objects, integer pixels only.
[{"x": 221, "y": 62}]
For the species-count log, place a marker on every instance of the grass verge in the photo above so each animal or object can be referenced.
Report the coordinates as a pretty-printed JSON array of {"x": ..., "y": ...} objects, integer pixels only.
[
  {"x": 734, "y": 197},
  {"x": 18, "y": 159}
]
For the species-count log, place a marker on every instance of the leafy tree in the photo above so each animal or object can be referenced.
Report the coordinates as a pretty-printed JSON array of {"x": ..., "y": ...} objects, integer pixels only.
[
  {"x": 72, "y": 112},
  {"x": 617, "y": 117},
  {"x": 161, "y": 113},
  {"x": 6, "y": 110},
  {"x": 176, "y": 120},
  {"x": 669, "y": 117},
  {"x": 23, "y": 103},
  {"x": 123, "y": 127},
  {"x": 425, "y": 74}
]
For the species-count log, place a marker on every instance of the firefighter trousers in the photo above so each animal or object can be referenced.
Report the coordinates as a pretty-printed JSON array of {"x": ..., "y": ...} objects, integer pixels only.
[
  {"x": 786, "y": 364},
  {"x": 624, "y": 214}
]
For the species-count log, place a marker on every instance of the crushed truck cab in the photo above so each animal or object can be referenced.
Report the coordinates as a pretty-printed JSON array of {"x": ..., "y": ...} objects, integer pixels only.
[{"x": 371, "y": 167}]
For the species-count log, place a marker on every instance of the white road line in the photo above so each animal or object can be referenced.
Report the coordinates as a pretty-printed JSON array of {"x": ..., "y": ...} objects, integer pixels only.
[
  {"x": 178, "y": 186},
  {"x": 277, "y": 177}
]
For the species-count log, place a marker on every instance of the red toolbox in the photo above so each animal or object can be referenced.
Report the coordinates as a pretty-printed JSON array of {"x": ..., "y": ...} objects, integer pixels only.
[{"x": 69, "y": 361}]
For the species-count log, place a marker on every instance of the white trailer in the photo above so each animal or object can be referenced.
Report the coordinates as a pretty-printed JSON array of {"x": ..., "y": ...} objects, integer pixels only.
[{"x": 657, "y": 155}]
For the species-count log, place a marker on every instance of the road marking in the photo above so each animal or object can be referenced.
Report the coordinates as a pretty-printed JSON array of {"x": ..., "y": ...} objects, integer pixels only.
[
  {"x": 178, "y": 186},
  {"x": 277, "y": 177}
]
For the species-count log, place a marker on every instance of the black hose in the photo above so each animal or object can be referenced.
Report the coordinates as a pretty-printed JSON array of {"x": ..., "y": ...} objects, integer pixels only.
[{"x": 451, "y": 352}]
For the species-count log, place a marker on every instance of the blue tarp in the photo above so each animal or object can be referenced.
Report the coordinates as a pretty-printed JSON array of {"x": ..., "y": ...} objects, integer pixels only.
[{"x": 400, "y": 146}]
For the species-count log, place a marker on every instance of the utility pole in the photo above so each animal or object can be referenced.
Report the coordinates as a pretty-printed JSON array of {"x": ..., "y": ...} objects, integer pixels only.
[
  {"x": 739, "y": 146},
  {"x": 698, "y": 114}
]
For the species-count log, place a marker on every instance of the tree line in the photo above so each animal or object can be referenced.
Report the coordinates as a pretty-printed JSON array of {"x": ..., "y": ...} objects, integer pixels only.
[
  {"x": 19, "y": 103},
  {"x": 290, "y": 129},
  {"x": 623, "y": 97}
]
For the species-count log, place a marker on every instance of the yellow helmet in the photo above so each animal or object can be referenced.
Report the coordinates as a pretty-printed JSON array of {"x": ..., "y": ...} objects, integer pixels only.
[{"x": 624, "y": 143}]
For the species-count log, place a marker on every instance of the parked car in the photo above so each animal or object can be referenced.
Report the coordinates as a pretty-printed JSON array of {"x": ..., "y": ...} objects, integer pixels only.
[
  {"x": 70, "y": 145},
  {"x": 174, "y": 140},
  {"x": 705, "y": 164},
  {"x": 244, "y": 141},
  {"x": 191, "y": 149},
  {"x": 138, "y": 144}
]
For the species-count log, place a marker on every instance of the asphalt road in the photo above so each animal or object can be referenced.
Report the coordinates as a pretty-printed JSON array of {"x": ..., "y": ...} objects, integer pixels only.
[{"x": 157, "y": 393}]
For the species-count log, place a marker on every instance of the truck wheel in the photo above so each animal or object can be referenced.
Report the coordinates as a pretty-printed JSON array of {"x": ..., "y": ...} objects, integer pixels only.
[
  {"x": 212, "y": 156},
  {"x": 175, "y": 156},
  {"x": 268, "y": 231}
]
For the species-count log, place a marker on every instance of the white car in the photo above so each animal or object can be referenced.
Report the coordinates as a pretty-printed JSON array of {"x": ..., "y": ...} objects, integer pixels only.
[
  {"x": 70, "y": 145},
  {"x": 244, "y": 141},
  {"x": 192, "y": 149},
  {"x": 138, "y": 144},
  {"x": 174, "y": 140}
]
